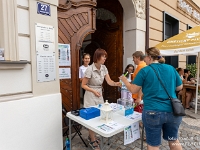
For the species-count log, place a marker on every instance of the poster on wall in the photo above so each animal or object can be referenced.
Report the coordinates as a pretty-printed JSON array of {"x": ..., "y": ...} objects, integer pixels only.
[
  {"x": 46, "y": 67},
  {"x": 64, "y": 73},
  {"x": 2, "y": 54},
  {"x": 45, "y": 38},
  {"x": 64, "y": 55}
]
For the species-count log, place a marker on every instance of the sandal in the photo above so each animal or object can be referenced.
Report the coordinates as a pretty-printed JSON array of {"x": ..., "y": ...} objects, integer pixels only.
[
  {"x": 97, "y": 139},
  {"x": 93, "y": 146},
  {"x": 188, "y": 108}
]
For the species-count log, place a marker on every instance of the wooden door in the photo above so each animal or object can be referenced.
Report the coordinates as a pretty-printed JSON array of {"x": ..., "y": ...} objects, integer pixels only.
[
  {"x": 76, "y": 19},
  {"x": 109, "y": 36}
]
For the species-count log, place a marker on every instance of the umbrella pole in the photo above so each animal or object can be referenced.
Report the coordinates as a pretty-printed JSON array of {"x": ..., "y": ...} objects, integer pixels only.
[{"x": 197, "y": 86}]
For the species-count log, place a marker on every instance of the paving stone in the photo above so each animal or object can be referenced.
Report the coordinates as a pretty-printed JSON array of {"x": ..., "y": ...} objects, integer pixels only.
[
  {"x": 187, "y": 133},
  {"x": 123, "y": 147},
  {"x": 119, "y": 142},
  {"x": 137, "y": 148},
  {"x": 127, "y": 148}
]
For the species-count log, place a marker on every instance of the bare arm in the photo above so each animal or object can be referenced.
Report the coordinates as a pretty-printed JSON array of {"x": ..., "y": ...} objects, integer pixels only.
[
  {"x": 87, "y": 88},
  {"x": 139, "y": 97},
  {"x": 111, "y": 82},
  {"x": 133, "y": 88},
  {"x": 81, "y": 79},
  {"x": 178, "y": 88}
]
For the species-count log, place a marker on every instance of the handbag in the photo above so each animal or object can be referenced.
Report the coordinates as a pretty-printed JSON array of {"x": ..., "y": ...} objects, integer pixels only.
[{"x": 177, "y": 107}]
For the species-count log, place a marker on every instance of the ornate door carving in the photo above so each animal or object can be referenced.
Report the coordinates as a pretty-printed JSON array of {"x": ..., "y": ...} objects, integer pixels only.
[
  {"x": 109, "y": 36},
  {"x": 76, "y": 19}
]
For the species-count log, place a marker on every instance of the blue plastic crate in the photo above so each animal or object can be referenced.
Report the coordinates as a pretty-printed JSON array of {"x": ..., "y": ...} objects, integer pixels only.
[{"x": 89, "y": 113}]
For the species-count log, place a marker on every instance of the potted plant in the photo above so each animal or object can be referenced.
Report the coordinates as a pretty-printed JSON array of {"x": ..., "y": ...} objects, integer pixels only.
[{"x": 192, "y": 68}]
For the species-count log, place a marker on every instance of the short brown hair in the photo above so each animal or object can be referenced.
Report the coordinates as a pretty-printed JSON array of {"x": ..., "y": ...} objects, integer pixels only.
[
  {"x": 98, "y": 53},
  {"x": 139, "y": 54}
]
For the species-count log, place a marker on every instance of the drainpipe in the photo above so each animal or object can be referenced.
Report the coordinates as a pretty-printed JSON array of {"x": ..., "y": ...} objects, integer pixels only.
[{"x": 147, "y": 25}]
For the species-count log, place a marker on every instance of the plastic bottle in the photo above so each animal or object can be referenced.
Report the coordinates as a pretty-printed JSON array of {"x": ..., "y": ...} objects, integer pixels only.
[{"x": 67, "y": 144}]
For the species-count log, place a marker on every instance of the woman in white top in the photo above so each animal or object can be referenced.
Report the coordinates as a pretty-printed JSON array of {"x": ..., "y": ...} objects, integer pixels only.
[
  {"x": 83, "y": 68},
  {"x": 125, "y": 93}
]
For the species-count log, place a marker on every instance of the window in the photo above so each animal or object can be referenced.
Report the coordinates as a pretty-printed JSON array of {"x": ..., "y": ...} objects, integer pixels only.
[
  {"x": 189, "y": 27},
  {"x": 192, "y": 58},
  {"x": 170, "y": 28}
]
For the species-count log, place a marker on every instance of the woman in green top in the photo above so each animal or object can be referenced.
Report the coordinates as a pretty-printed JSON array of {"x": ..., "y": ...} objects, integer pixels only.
[{"x": 157, "y": 115}]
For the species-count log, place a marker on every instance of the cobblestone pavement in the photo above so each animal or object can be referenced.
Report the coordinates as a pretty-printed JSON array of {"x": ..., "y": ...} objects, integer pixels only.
[{"x": 189, "y": 137}]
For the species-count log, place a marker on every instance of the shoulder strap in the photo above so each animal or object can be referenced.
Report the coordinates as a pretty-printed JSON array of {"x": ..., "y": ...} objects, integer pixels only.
[{"x": 161, "y": 82}]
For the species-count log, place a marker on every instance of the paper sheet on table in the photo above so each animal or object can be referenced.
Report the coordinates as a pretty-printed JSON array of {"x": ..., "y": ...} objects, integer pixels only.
[
  {"x": 111, "y": 126},
  {"x": 135, "y": 115},
  {"x": 131, "y": 133},
  {"x": 105, "y": 128},
  {"x": 115, "y": 125}
]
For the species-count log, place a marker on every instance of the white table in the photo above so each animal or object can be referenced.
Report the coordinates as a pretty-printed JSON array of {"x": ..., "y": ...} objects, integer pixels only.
[{"x": 93, "y": 123}]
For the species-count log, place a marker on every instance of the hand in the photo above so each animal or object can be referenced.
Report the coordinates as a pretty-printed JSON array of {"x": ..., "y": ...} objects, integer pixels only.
[
  {"x": 122, "y": 78},
  {"x": 97, "y": 94},
  {"x": 186, "y": 75},
  {"x": 137, "y": 101},
  {"x": 118, "y": 84}
]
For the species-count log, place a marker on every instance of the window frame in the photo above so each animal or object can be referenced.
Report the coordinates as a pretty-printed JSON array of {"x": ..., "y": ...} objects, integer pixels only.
[
  {"x": 174, "y": 20},
  {"x": 188, "y": 58}
]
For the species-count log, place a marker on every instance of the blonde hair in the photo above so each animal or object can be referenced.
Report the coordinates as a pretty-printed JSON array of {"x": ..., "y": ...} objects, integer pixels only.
[{"x": 155, "y": 54}]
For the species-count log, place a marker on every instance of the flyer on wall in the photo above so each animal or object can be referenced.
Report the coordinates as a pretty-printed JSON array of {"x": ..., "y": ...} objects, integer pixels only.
[
  {"x": 2, "y": 54},
  {"x": 131, "y": 133},
  {"x": 64, "y": 73},
  {"x": 44, "y": 38},
  {"x": 64, "y": 54},
  {"x": 46, "y": 70}
]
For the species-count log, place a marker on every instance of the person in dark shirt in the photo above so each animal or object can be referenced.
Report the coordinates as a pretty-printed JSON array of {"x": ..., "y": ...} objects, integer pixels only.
[{"x": 188, "y": 75}]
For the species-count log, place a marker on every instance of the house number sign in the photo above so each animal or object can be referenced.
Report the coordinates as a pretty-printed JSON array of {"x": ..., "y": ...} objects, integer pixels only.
[{"x": 43, "y": 9}]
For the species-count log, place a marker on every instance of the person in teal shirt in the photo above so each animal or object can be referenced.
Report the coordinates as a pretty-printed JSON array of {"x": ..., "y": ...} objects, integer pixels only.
[
  {"x": 152, "y": 88},
  {"x": 157, "y": 115}
]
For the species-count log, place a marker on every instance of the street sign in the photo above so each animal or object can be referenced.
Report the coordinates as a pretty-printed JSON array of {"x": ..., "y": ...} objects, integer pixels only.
[{"x": 43, "y": 9}]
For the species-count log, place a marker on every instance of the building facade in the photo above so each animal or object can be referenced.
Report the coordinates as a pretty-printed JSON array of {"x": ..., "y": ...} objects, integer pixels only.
[
  {"x": 171, "y": 17},
  {"x": 30, "y": 111}
]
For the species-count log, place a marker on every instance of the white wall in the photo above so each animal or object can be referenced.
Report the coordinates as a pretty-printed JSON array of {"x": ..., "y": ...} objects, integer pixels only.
[
  {"x": 15, "y": 81},
  {"x": 30, "y": 112},
  {"x": 134, "y": 32},
  {"x": 31, "y": 124}
]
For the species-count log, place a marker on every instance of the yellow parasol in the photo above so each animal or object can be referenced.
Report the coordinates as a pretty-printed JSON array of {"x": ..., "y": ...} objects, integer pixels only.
[{"x": 185, "y": 43}]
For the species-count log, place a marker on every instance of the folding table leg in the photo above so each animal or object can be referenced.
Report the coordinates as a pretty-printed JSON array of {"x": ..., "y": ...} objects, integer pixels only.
[
  {"x": 142, "y": 137},
  {"x": 70, "y": 133},
  {"x": 109, "y": 141},
  {"x": 101, "y": 144},
  {"x": 79, "y": 134}
]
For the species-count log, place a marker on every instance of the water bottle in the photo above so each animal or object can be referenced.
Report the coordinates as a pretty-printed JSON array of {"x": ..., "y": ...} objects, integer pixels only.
[{"x": 67, "y": 144}]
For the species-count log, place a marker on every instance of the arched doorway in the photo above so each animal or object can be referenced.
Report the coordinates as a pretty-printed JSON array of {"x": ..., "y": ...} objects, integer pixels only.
[
  {"x": 109, "y": 36},
  {"x": 77, "y": 19}
]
